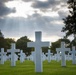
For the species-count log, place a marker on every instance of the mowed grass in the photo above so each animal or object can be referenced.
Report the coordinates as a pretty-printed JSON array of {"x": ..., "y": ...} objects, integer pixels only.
[{"x": 28, "y": 68}]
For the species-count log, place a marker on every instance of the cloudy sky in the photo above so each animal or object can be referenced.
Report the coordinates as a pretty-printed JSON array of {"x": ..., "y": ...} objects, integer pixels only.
[{"x": 23, "y": 17}]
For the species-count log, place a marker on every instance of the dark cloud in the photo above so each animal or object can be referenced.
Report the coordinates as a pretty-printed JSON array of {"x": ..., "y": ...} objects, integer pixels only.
[
  {"x": 2, "y": 1},
  {"x": 5, "y": 10},
  {"x": 48, "y": 4},
  {"x": 27, "y": 0},
  {"x": 63, "y": 14},
  {"x": 23, "y": 26},
  {"x": 19, "y": 26}
]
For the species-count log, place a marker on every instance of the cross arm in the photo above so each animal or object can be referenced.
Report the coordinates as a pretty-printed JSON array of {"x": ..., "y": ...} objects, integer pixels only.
[
  {"x": 17, "y": 50},
  {"x": 9, "y": 50},
  {"x": 58, "y": 49},
  {"x": 31, "y": 44},
  {"x": 67, "y": 49},
  {"x": 45, "y": 44}
]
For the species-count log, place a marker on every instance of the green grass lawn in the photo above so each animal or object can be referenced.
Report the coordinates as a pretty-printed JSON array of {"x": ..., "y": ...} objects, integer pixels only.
[{"x": 28, "y": 68}]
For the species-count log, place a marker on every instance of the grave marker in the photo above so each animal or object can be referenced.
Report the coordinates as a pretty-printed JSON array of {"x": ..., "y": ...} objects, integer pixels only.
[
  {"x": 63, "y": 50},
  {"x": 22, "y": 56},
  {"x": 2, "y": 55},
  {"x": 13, "y": 51},
  {"x": 37, "y": 45},
  {"x": 73, "y": 55},
  {"x": 49, "y": 55}
]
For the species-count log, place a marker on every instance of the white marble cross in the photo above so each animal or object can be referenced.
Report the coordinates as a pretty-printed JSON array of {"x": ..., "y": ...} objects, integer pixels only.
[
  {"x": 49, "y": 55},
  {"x": 43, "y": 56},
  {"x": 73, "y": 55},
  {"x": 33, "y": 56},
  {"x": 22, "y": 56},
  {"x": 58, "y": 55},
  {"x": 2, "y": 55},
  {"x": 38, "y": 44},
  {"x": 67, "y": 56},
  {"x": 5, "y": 56},
  {"x": 13, "y": 51},
  {"x": 63, "y": 50}
]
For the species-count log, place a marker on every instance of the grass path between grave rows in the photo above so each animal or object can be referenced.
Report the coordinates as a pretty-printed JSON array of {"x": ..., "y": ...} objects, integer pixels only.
[{"x": 27, "y": 68}]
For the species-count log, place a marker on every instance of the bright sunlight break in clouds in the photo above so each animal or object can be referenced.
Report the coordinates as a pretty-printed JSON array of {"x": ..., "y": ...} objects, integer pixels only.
[
  {"x": 23, "y": 17},
  {"x": 22, "y": 9}
]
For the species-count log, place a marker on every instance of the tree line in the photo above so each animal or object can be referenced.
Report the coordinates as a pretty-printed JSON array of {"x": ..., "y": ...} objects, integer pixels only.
[{"x": 21, "y": 44}]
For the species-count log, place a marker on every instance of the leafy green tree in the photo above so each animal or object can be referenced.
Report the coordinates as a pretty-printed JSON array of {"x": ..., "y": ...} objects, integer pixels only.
[
  {"x": 70, "y": 20},
  {"x": 8, "y": 42},
  {"x": 22, "y": 45},
  {"x": 2, "y": 40},
  {"x": 73, "y": 43},
  {"x": 45, "y": 49},
  {"x": 5, "y": 42}
]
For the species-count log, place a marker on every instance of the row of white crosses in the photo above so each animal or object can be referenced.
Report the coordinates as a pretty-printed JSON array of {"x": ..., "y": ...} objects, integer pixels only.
[
  {"x": 73, "y": 55},
  {"x": 33, "y": 56},
  {"x": 13, "y": 51},
  {"x": 22, "y": 56},
  {"x": 2, "y": 55},
  {"x": 43, "y": 56},
  {"x": 38, "y": 44},
  {"x": 58, "y": 55},
  {"x": 63, "y": 50},
  {"x": 49, "y": 54},
  {"x": 13, "y": 56}
]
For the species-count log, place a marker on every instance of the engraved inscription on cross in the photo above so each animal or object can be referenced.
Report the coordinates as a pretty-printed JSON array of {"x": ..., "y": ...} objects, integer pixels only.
[{"x": 38, "y": 44}]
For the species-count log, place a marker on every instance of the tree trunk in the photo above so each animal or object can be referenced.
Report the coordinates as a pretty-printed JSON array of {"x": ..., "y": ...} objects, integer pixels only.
[{"x": 75, "y": 40}]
